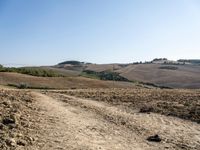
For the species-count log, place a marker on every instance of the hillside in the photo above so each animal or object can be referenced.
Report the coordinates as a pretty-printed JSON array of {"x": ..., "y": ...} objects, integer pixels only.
[
  {"x": 15, "y": 79},
  {"x": 191, "y": 61},
  {"x": 161, "y": 72},
  {"x": 175, "y": 76}
]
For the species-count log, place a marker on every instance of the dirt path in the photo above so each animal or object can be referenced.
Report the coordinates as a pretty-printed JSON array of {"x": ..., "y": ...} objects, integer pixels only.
[{"x": 72, "y": 123}]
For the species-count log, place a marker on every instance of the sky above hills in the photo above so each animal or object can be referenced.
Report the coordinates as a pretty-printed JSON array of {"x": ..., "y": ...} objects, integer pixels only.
[{"x": 45, "y": 32}]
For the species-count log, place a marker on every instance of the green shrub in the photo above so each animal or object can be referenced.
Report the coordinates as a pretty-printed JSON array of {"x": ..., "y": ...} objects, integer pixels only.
[
  {"x": 169, "y": 67},
  {"x": 22, "y": 86},
  {"x": 33, "y": 71},
  {"x": 105, "y": 75},
  {"x": 72, "y": 62}
]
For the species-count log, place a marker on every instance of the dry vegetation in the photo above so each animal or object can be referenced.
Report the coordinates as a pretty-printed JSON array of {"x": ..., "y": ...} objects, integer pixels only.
[
  {"x": 184, "y": 104},
  {"x": 57, "y": 82},
  {"x": 178, "y": 76},
  {"x": 165, "y": 74}
]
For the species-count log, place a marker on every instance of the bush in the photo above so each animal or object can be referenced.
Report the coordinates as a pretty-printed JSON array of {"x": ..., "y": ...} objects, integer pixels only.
[
  {"x": 159, "y": 59},
  {"x": 169, "y": 67},
  {"x": 193, "y": 61},
  {"x": 33, "y": 71},
  {"x": 23, "y": 86},
  {"x": 105, "y": 75},
  {"x": 71, "y": 63}
]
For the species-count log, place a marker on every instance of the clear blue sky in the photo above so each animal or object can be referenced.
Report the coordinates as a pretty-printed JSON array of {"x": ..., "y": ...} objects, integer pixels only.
[{"x": 45, "y": 32}]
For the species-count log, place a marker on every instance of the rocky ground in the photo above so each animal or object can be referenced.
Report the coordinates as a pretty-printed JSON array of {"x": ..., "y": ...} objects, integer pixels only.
[
  {"x": 184, "y": 104},
  {"x": 115, "y": 119},
  {"x": 16, "y": 119}
]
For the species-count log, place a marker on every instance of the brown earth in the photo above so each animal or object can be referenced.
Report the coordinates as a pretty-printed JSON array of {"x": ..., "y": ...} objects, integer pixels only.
[
  {"x": 7, "y": 78},
  {"x": 184, "y": 104},
  {"x": 16, "y": 119},
  {"x": 48, "y": 120}
]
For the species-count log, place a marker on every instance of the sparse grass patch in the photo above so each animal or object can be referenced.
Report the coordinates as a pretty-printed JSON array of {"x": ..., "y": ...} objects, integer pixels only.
[
  {"x": 169, "y": 67},
  {"x": 26, "y": 86},
  {"x": 87, "y": 75}
]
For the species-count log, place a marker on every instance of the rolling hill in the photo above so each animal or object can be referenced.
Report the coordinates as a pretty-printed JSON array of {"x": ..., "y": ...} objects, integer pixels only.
[
  {"x": 159, "y": 73},
  {"x": 165, "y": 73},
  {"x": 15, "y": 79},
  {"x": 175, "y": 76}
]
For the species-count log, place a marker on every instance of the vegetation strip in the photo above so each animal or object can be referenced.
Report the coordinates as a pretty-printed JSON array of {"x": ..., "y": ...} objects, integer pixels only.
[{"x": 32, "y": 71}]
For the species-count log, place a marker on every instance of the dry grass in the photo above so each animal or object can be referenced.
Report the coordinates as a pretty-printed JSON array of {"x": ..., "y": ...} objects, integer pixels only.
[
  {"x": 103, "y": 67},
  {"x": 184, "y": 104},
  {"x": 174, "y": 76},
  {"x": 185, "y": 76},
  {"x": 58, "y": 82}
]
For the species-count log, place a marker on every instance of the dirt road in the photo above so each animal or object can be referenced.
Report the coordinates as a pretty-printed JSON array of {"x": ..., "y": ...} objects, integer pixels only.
[{"x": 68, "y": 123}]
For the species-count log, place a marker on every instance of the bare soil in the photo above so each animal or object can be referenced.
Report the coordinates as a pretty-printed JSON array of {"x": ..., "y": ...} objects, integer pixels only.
[
  {"x": 16, "y": 119},
  {"x": 50, "y": 120},
  {"x": 184, "y": 104}
]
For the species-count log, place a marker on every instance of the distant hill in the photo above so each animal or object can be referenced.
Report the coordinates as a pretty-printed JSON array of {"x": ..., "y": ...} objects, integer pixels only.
[
  {"x": 191, "y": 61},
  {"x": 71, "y": 62},
  {"x": 71, "y": 65},
  {"x": 17, "y": 79},
  {"x": 175, "y": 76},
  {"x": 160, "y": 71}
]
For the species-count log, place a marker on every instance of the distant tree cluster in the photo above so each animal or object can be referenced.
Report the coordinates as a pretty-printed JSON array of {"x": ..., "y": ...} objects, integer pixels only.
[
  {"x": 193, "y": 61},
  {"x": 71, "y": 63},
  {"x": 159, "y": 59},
  {"x": 105, "y": 75},
  {"x": 169, "y": 67},
  {"x": 136, "y": 63},
  {"x": 31, "y": 71}
]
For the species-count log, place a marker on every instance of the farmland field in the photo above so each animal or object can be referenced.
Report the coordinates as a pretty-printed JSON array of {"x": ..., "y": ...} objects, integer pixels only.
[
  {"x": 100, "y": 75},
  {"x": 115, "y": 118}
]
